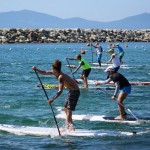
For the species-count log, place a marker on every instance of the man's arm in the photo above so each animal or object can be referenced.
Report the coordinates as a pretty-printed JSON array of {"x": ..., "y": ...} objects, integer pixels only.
[
  {"x": 110, "y": 59},
  {"x": 60, "y": 90},
  {"x": 82, "y": 63},
  {"x": 42, "y": 71}
]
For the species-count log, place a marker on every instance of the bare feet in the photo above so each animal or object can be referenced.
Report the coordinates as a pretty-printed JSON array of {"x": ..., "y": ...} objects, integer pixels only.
[
  {"x": 119, "y": 118},
  {"x": 71, "y": 127}
]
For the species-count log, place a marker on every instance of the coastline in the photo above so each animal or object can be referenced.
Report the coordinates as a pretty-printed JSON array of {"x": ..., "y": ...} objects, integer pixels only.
[{"x": 75, "y": 35}]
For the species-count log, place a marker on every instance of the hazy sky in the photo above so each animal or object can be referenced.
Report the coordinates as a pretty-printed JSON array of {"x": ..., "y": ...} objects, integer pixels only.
[{"x": 97, "y": 10}]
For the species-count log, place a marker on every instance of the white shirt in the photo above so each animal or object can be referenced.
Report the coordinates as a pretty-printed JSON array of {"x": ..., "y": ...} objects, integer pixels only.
[{"x": 115, "y": 60}]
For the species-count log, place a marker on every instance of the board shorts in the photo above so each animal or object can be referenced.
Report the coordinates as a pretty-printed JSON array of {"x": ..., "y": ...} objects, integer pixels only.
[
  {"x": 99, "y": 56},
  {"x": 126, "y": 89},
  {"x": 121, "y": 55},
  {"x": 72, "y": 99},
  {"x": 86, "y": 72}
]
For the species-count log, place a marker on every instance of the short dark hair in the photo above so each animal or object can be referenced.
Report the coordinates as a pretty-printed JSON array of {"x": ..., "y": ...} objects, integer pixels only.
[
  {"x": 79, "y": 56},
  {"x": 57, "y": 65}
]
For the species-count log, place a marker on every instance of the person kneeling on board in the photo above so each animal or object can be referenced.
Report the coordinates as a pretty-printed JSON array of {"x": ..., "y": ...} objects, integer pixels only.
[
  {"x": 70, "y": 84},
  {"x": 121, "y": 84}
]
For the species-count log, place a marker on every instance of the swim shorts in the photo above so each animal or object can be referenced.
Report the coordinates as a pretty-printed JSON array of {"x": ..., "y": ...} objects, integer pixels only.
[
  {"x": 126, "y": 89},
  {"x": 72, "y": 99},
  {"x": 86, "y": 72}
]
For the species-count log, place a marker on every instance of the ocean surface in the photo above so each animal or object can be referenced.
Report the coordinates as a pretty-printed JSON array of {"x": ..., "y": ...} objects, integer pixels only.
[{"x": 22, "y": 103}]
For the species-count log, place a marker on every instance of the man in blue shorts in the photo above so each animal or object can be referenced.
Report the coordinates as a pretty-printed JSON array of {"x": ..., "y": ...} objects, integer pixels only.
[
  {"x": 99, "y": 51},
  {"x": 121, "y": 52}
]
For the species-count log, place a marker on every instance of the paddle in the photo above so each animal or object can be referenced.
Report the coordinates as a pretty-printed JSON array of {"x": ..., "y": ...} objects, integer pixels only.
[
  {"x": 91, "y": 51},
  {"x": 71, "y": 70},
  {"x": 49, "y": 104},
  {"x": 119, "y": 103}
]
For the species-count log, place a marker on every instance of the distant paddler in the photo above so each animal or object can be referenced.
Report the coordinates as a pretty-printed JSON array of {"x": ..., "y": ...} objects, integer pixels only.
[
  {"x": 99, "y": 51},
  {"x": 114, "y": 59},
  {"x": 120, "y": 52},
  {"x": 121, "y": 84},
  {"x": 64, "y": 82},
  {"x": 86, "y": 69}
]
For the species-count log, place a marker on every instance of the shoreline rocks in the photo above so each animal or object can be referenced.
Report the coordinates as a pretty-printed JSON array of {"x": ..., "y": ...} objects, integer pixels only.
[{"x": 49, "y": 35}]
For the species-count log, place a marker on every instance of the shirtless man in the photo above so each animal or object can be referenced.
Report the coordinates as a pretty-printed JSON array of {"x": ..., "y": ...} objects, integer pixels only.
[{"x": 70, "y": 84}]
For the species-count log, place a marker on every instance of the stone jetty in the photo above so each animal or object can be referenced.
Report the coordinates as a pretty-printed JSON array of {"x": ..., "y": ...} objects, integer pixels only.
[{"x": 48, "y": 35}]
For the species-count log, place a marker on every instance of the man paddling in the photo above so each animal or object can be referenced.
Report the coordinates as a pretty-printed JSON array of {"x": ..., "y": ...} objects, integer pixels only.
[
  {"x": 99, "y": 51},
  {"x": 70, "y": 84},
  {"x": 114, "y": 59},
  {"x": 121, "y": 84},
  {"x": 86, "y": 69},
  {"x": 120, "y": 51}
]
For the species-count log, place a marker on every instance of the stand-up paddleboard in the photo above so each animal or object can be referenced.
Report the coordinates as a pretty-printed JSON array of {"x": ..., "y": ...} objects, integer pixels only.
[
  {"x": 104, "y": 64},
  {"x": 93, "y": 67},
  {"x": 45, "y": 131},
  {"x": 103, "y": 118},
  {"x": 131, "y": 82},
  {"x": 54, "y": 86}
]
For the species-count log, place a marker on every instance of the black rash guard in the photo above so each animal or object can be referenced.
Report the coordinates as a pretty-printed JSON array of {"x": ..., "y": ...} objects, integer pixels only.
[{"x": 123, "y": 82}]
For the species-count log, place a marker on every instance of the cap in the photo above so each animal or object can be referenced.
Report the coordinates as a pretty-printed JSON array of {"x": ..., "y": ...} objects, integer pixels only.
[
  {"x": 110, "y": 51},
  {"x": 110, "y": 68}
]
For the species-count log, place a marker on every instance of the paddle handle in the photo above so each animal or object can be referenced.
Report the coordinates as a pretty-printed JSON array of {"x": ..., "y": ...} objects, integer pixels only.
[{"x": 48, "y": 99}]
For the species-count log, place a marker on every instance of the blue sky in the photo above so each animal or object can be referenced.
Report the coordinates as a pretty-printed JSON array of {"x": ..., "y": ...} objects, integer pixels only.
[{"x": 97, "y": 10}]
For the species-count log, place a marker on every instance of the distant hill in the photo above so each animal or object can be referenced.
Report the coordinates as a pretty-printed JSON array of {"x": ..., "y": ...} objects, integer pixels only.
[{"x": 31, "y": 19}]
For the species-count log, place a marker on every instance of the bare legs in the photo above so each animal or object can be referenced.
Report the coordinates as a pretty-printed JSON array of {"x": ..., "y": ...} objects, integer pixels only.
[
  {"x": 120, "y": 100},
  {"x": 69, "y": 122},
  {"x": 85, "y": 81}
]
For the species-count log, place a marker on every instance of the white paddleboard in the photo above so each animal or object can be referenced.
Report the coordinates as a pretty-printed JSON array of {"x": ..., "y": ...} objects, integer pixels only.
[
  {"x": 45, "y": 131},
  {"x": 103, "y": 118}
]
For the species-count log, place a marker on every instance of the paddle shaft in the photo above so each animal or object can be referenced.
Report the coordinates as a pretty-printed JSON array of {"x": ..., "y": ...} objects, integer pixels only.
[
  {"x": 70, "y": 68},
  {"x": 120, "y": 104},
  {"x": 92, "y": 52},
  {"x": 48, "y": 99}
]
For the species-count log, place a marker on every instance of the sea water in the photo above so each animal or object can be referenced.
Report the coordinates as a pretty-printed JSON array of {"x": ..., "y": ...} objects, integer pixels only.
[{"x": 23, "y": 103}]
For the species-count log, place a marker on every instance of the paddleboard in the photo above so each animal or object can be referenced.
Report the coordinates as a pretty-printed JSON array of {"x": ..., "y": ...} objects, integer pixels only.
[
  {"x": 54, "y": 86},
  {"x": 103, "y": 118},
  {"x": 104, "y": 64},
  {"x": 93, "y": 67},
  {"x": 45, "y": 131},
  {"x": 131, "y": 82}
]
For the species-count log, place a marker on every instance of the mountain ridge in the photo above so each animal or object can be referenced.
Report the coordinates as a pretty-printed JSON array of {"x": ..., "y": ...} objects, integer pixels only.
[{"x": 32, "y": 19}]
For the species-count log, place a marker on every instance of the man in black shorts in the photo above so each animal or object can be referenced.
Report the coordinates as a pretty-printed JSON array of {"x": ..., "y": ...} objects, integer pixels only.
[
  {"x": 70, "y": 84},
  {"x": 86, "y": 69}
]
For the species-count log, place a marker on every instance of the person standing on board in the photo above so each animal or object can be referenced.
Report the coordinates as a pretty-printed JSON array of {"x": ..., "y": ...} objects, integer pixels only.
[
  {"x": 114, "y": 59},
  {"x": 121, "y": 84},
  {"x": 70, "y": 84},
  {"x": 120, "y": 52},
  {"x": 99, "y": 51},
  {"x": 86, "y": 69}
]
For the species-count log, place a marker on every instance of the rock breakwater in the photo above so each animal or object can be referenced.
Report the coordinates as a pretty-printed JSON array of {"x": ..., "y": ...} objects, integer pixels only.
[{"x": 72, "y": 35}]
